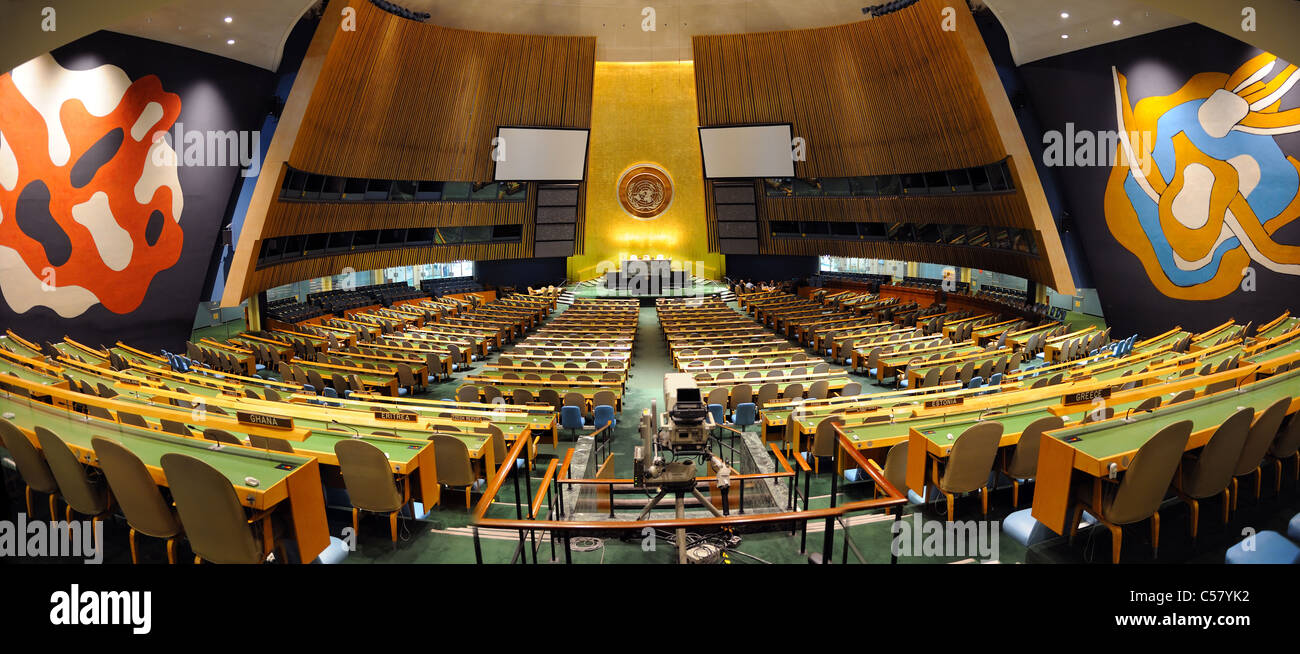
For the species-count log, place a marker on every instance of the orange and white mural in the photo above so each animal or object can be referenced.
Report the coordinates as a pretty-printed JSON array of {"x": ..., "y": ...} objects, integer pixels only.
[
  {"x": 90, "y": 197},
  {"x": 1217, "y": 186}
]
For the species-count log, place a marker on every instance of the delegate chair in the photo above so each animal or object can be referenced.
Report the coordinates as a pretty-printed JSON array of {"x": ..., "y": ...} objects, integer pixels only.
[
  {"x": 740, "y": 394},
  {"x": 31, "y": 465},
  {"x": 1261, "y": 436},
  {"x": 793, "y": 391},
  {"x": 1150, "y": 404},
  {"x": 221, "y": 437},
  {"x": 551, "y": 397},
  {"x": 467, "y": 393},
  {"x": 174, "y": 427},
  {"x": 453, "y": 465},
  {"x": 214, "y": 521},
  {"x": 1022, "y": 464},
  {"x": 1182, "y": 396},
  {"x": 1138, "y": 495},
  {"x": 823, "y": 445},
  {"x": 132, "y": 419},
  {"x": 767, "y": 393},
  {"x": 138, "y": 496},
  {"x": 370, "y": 483},
  {"x": 521, "y": 396},
  {"x": 270, "y": 443},
  {"x": 1209, "y": 474},
  {"x": 1287, "y": 446},
  {"x": 74, "y": 484},
  {"x": 969, "y": 463},
  {"x": 819, "y": 390},
  {"x": 851, "y": 389}
]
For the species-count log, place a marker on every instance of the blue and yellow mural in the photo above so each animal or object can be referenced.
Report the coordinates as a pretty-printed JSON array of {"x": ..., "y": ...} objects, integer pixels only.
[{"x": 1202, "y": 205}]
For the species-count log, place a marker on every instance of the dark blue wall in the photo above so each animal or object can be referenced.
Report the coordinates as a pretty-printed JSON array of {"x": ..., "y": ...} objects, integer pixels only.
[
  {"x": 217, "y": 94},
  {"x": 1078, "y": 88}
]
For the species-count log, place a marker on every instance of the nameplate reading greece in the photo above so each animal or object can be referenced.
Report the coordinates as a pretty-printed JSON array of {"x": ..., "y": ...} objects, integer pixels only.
[
  {"x": 1087, "y": 396},
  {"x": 261, "y": 420}
]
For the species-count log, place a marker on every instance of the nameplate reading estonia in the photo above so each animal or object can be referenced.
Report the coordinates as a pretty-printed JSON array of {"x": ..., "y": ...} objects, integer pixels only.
[
  {"x": 947, "y": 401},
  {"x": 1087, "y": 396},
  {"x": 260, "y": 420},
  {"x": 396, "y": 415}
]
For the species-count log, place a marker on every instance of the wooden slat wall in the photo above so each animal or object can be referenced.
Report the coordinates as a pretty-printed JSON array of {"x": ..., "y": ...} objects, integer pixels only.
[
  {"x": 891, "y": 95},
  {"x": 333, "y": 265},
  {"x": 895, "y": 94},
  {"x": 314, "y": 217},
  {"x": 398, "y": 99}
]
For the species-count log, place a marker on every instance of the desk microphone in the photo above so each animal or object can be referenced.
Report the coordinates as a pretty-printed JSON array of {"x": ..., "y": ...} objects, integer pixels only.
[{"x": 355, "y": 433}]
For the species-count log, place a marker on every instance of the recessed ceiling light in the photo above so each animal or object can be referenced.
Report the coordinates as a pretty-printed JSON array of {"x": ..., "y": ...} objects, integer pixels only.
[
  {"x": 230, "y": 42},
  {"x": 1115, "y": 22},
  {"x": 1065, "y": 14},
  {"x": 1065, "y": 36},
  {"x": 229, "y": 19}
]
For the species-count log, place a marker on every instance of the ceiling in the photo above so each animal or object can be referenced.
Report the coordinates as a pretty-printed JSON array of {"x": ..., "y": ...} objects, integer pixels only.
[
  {"x": 1034, "y": 27},
  {"x": 259, "y": 28}
]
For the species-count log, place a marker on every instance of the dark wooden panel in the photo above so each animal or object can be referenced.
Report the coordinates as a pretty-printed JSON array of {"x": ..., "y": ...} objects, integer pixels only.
[
  {"x": 890, "y": 95},
  {"x": 399, "y": 99}
]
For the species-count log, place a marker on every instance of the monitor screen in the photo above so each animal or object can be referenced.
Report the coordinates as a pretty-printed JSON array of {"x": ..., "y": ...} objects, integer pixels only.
[
  {"x": 535, "y": 154},
  {"x": 688, "y": 395},
  {"x": 748, "y": 151}
]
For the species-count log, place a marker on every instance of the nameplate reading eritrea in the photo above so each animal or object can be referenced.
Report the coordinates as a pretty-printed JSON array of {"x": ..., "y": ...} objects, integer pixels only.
[
  {"x": 260, "y": 420},
  {"x": 396, "y": 415}
]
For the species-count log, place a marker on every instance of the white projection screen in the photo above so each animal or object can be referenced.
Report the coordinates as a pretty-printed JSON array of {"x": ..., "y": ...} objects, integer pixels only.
[
  {"x": 750, "y": 151},
  {"x": 539, "y": 154}
]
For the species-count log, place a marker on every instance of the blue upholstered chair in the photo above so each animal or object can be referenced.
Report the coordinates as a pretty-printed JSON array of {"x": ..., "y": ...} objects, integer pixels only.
[
  {"x": 1268, "y": 547},
  {"x": 746, "y": 415},
  {"x": 603, "y": 415},
  {"x": 571, "y": 419}
]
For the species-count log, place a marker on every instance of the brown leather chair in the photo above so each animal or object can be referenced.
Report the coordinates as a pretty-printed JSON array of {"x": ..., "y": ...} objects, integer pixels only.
[
  {"x": 221, "y": 436},
  {"x": 270, "y": 443},
  {"x": 467, "y": 393},
  {"x": 453, "y": 464},
  {"x": 75, "y": 486},
  {"x": 32, "y": 466},
  {"x": 1209, "y": 474},
  {"x": 969, "y": 463},
  {"x": 1286, "y": 446},
  {"x": 215, "y": 523},
  {"x": 819, "y": 390},
  {"x": 175, "y": 427},
  {"x": 137, "y": 495},
  {"x": 823, "y": 444},
  {"x": 551, "y": 397},
  {"x": 370, "y": 482},
  {"x": 740, "y": 394},
  {"x": 1183, "y": 396},
  {"x": 1138, "y": 495},
  {"x": 1022, "y": 463},
  {"x": 1261, "y": 436},
  {"x": 1150, "y": 404}
]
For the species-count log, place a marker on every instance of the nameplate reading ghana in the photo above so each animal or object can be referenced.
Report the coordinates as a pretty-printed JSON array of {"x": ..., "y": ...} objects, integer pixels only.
[
  {"x": 397, "y": 416},
  {"x": 1087, "y": 396},
  {"x": 260, "y": 420},
  {"x": 947, "y": 401}
]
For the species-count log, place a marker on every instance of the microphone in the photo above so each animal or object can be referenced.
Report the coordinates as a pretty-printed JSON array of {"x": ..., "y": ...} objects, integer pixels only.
[{"x": 355, "y": 433}]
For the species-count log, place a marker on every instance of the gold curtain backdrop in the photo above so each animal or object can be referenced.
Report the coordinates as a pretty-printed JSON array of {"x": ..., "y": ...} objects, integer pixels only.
[{"x": 644, "y": 113}]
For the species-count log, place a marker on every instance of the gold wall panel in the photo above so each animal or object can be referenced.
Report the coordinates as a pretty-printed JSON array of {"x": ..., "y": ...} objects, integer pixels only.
[{"x": 644, "y": 113}]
